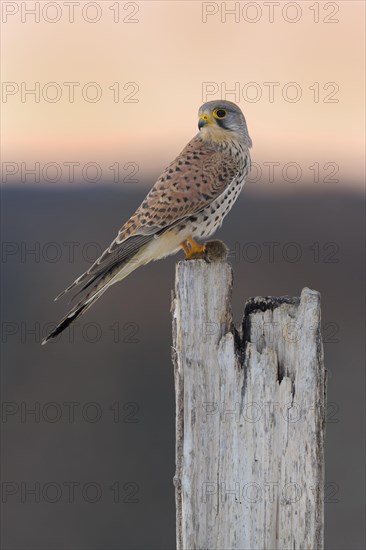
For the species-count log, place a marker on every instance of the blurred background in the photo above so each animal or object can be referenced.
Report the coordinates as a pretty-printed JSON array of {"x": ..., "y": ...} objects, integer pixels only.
[{"x": 97, "y": 97}]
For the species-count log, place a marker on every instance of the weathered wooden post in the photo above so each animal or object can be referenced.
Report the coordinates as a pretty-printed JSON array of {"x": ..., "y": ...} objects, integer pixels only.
[{"x": 250, "y": 408}]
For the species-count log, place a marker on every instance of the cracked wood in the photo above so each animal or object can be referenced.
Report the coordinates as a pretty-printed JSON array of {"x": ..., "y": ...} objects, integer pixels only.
[{"x": 250, "y": 408}]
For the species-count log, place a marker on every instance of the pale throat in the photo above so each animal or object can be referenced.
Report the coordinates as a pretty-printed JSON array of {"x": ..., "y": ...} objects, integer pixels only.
[{"x": 214, "y": 134}]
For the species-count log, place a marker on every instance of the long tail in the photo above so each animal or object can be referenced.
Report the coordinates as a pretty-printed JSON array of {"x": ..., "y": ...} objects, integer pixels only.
[{"x": 108, "y": 278}]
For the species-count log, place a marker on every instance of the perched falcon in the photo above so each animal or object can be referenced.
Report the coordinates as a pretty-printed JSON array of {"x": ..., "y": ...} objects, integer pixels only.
[{"x": 189, "y": 200}]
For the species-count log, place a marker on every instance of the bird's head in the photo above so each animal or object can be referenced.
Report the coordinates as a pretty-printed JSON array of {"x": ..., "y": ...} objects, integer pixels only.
[{"x": 220, "y": 120}]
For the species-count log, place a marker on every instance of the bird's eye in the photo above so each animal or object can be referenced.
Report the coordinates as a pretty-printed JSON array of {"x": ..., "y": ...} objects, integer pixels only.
[{"x": 219, "y": 113}]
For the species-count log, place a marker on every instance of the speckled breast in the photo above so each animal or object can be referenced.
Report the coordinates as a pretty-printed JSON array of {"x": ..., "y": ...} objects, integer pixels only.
[{"x": 210, "y": 219}]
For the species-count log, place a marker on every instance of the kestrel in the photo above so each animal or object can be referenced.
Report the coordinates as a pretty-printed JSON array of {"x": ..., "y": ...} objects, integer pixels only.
[{"x": 189, "y": 200}]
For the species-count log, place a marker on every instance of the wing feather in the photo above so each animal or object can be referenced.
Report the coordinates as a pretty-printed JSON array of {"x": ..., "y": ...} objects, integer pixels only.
[
  {"x": 111, "y": 257},
  {"x": 195, "y": 178}
]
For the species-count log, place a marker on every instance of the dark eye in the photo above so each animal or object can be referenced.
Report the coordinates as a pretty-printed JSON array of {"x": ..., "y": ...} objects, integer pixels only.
[{"x": 220, "y": 113}]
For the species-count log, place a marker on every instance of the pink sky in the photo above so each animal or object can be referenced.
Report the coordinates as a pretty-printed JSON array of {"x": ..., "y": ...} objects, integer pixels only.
[{"x": 165, "y": 59}]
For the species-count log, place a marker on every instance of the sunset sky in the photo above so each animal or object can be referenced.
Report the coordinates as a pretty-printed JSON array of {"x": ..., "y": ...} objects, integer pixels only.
[{"x": 165, "y": 59}]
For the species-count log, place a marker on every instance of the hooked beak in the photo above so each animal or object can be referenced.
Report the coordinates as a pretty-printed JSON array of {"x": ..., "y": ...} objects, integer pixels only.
[{"x": 203, "y": 121}]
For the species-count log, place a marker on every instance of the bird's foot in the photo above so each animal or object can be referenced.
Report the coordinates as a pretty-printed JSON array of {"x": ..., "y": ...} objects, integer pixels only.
[
  {"x": 196, "y": 253},
  {"x": 192, "y": 249},
  {"x": 212, "y": 251}
]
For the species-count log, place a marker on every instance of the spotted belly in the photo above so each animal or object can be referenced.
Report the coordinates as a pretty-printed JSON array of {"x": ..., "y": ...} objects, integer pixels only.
[
  {"x": 205, "y": 223},
  {"x": 200, "y": 226}
]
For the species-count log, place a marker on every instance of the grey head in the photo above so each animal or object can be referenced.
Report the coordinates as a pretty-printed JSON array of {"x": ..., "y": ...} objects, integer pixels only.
[{"x": 226, "y": 116}]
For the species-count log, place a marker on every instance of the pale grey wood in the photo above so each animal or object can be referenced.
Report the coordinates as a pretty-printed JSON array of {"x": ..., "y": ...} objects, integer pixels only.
[{"x": 250, "y": 408}]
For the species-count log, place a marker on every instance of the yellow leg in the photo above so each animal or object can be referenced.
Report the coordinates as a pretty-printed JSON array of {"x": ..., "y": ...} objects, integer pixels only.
[
  {"x": 186, "y": 248},
  {"x": 191, "y": 248}
]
